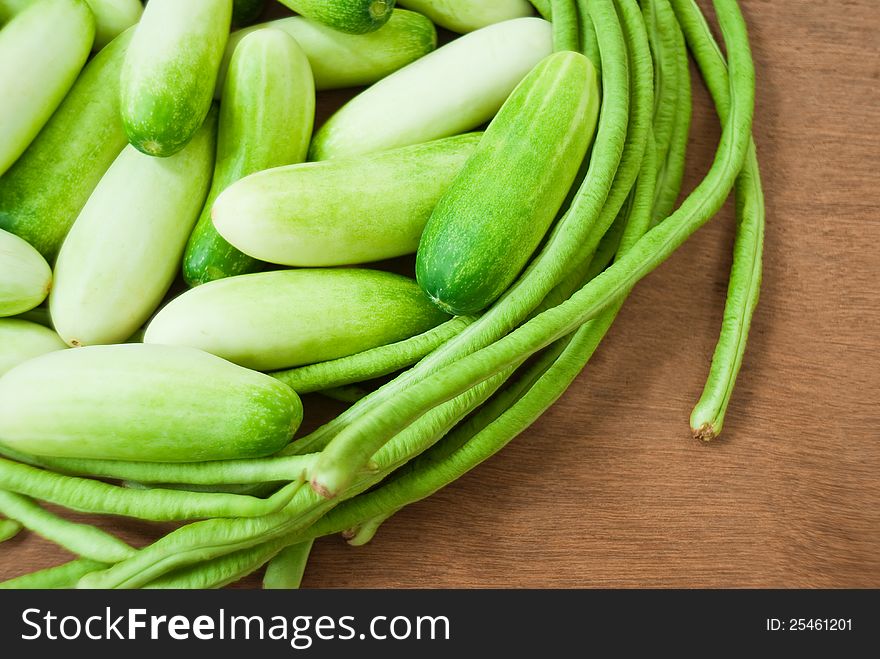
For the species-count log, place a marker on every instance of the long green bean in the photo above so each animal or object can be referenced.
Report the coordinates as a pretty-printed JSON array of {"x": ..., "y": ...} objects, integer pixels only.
[
  {"x": 92, "y": 496},
  {"x": 60, "y": 576},
  {"x": 565, "y": 25},
  {"x": 9, "y": 528},
  {"x": 285, "y": 570}
]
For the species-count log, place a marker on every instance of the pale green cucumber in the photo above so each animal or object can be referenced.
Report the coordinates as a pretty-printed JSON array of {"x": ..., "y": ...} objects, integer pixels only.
[
  {"x": 42, "y": 49},
  {"x": 73, "y": 151},
  {"x": 112, "y": 18},
  {"x": 9, "y": 8},
  {"x": 144, "y": 402},
  {"x": 170, "y": 72},
  {"x": 266, "y": 120},
  {"x": 352, "y": 16},
  {"x": 345, "y": 60},
  {"x": 344, "y": 211},
  {"x": 496, "y": 212},
  {"x": 454, "y": 89},
  {"x": 124, "y": 249},
  {"x": 469, "y": 15},
  {"x": 21, "y": 340},
  {"x": 25, "y": 277},
  {"x": 274, "y": 320}
]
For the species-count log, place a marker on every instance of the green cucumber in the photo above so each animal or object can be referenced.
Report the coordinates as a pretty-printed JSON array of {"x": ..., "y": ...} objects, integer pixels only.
[
  {"x": 144, "y": 402},
  {"x": 25, "y": 277},
  {"x": 469, "y": 15},
  {"x": 245, "y": 12},
  {"x": 9, "y": 8},
  {"x": 344, "y": 60},
  {"x": 21, "y": 340},
  {"x": 72, "y": 151},
  {"x": 485, "y": 228},
  {"x": 124, "y": 250},
  {"x": 266, "y": 120},
  {"x": 170, "y": 72},
  {"x": 273, "y": 320},
  {"x": 42, "y": 49},
  {"x": 113, "y": 17},
  {"x": 352, "y": 16},
  {"x": 345, "y": 211},
  {"x": 454, "y": 89}
]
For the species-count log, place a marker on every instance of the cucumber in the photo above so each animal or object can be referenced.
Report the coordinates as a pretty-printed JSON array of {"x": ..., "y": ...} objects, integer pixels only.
[
  {"x": 273, "y": 320},
  {"x": 344, "y": 60},
  {"x": 469, "y": 15},
  {"x": 339, "y": 212},
  {"x": 124, "y": 249},
  {"x": 454, "y": 89},
  {"x": 42, "y": 49},
  {"x": 144, "y": 402},
  {"x": 485, "y": 228},
  {"x": 266, "y": 120},
  {"x": 352, "y": 16},
  {"x": 9, "y": 8},
  {"x": 170, "y": 72},
  {"x": 245, "y": 12},
  {"x": 73, "y": 151},
  {"x": 21, "y": 340},
  {"x": 25, "y": 277},
  {"x": 112, "y": 18}
]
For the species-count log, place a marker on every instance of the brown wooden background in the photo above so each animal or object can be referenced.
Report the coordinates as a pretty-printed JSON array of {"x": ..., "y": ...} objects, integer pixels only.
[{"x": 608, "y": 489}]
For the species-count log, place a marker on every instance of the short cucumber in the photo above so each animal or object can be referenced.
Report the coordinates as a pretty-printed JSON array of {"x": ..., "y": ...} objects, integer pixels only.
[
  {"x": 125, "y": 247},
  {"x": 266, "y": 120},
  {"x": 352, "y": 16},
  {"x": 345, "y": 211},
  {"x": 144, "y": 402},
  {"x": 112, "y": 18},
  {"x": 245, "y": 12},
  {"x": 9, "y": 8},
  {"x": 42, "y": 50},
  {"x": 21, "y": 340},
  {"x": 25, "y": 277},
  {"x": 170, "y": 72},
  {"x": 454, "y": 89},
  {"x": 485, "y": 228},
  {"x": 73, "y": 151},
  {"x": 345, "y": 60},
  {"x": 469, "y": 15},
  {"x": 274, "y": 320}
]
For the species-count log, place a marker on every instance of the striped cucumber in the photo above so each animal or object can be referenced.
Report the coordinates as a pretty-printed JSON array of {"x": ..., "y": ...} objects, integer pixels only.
[
  {"x": 25, "y": 277},
  {"x": 345, "y": 60},
  {"x": 73, "y": 151},
  {"x": 144, "y": 402},
  {"x": 352, "y": 16},
  {"x": 170, "y": 72},
  {"x": 246, "y": 11},
  {"x": 274, "y": 320},
  {"x": 484, "y": 230},
  {"x": 339, "y": 212},
  {"x": 124, "y": 249},
  {"x": 266, "y": 120},
  {"x": 454, "y": 89},
  {"x": 112, "y": 18},
  {"x": 42, "y": 49},
  {"x": 469, "y": 15},
  {"x": 21, "y": 340}
]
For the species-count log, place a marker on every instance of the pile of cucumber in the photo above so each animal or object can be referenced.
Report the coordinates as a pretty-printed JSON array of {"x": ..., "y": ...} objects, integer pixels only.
[{"x": 184, "y": 254}]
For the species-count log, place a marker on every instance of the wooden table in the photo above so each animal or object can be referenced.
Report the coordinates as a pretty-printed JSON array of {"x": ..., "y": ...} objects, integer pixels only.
[{"x": 608, "y": 489}]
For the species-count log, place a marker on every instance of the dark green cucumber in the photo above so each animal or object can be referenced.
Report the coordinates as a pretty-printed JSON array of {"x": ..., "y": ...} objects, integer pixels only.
[
  {"x": 353, "y": 16},
  {"x": 245, "y": 12},
  {"x": 170, "y": 72},
  {"x": 485, "y": 228},
  {"x": 48, "y": 186},
  {"x": 266, "y": 120}
]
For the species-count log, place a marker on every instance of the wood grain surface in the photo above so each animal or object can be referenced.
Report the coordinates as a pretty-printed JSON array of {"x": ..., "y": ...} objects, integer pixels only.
[{"x": 608, "y": 489}]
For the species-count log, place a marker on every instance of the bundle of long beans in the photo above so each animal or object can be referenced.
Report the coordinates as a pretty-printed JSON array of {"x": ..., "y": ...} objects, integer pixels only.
[{"x": 474, "y": 383}]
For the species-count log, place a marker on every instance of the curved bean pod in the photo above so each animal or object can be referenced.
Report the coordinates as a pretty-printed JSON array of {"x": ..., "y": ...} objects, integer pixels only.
[
  {"x": 565, "y": 25},
  {"x": 285, "y": 570},
  {"x": 61, "y": 576},
  {"x": 9, "y": 528}
]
